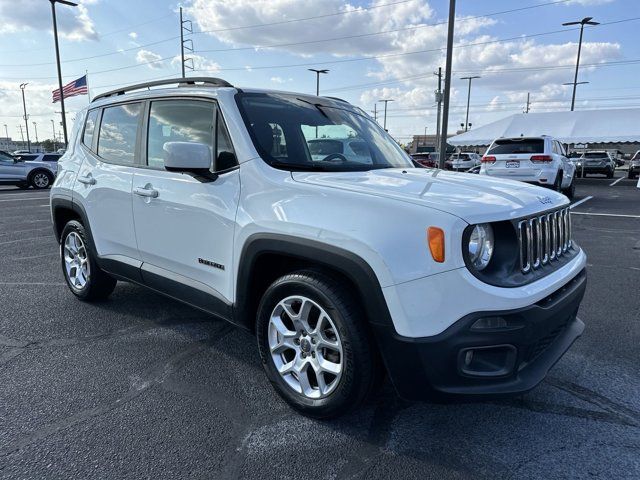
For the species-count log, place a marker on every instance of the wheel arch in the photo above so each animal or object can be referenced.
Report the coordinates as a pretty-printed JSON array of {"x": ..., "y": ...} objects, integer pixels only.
[
  {"x": 62, "y": 211},
  {"x": 266, "y": 257}
]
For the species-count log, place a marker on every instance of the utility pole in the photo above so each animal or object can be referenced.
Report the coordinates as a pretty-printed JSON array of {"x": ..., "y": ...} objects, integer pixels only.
[
  {"x": 385, "y": 112},
  {"x": 55, "y": 36},
  {"x": 439, "y": 102},
  {"x": 528, "y": 103},
  {"x": 375, "y": 112},
  {"x": 318, "y": 72},
  {"x": 21, "y": 135},
  {"x": 575, "y": 83},
  {"x": 447, "y": 83},
  {"x": 26, "y": 117},
  {"x": 466, "y": 122},
  {"x": 185, "y": 26},
  {"x": 6, "y": 131},
  {"x": 35, "y": 127},
  {"x": 53, "y": 129}
]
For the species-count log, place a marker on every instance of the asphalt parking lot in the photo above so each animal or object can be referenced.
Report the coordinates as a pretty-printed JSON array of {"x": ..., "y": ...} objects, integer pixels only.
[{"x": 143, "y": 387}]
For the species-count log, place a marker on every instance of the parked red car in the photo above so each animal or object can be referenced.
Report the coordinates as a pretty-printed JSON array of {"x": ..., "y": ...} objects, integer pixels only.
[{"x": 426, "y": 159}]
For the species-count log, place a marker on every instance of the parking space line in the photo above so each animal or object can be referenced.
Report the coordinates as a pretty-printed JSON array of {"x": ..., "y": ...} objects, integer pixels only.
[
  {"x": 621, "y": 178},
  {"x": 605, "y": 214},
  {"x": 581, "y": 201},
  {"x": 24, "y": 198},
  {"x": 47, "y": 237},
  {"x": 33, "y": 283}
]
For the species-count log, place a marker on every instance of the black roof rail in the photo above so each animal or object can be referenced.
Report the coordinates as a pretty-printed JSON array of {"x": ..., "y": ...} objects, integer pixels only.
[
  {"x": 336, "y": 98},
  {"x": 182, "y": 82}
]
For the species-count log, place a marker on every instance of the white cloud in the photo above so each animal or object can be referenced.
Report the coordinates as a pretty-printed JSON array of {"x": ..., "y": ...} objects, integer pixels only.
[
  {"x": 279, "y": 80},
  {"x": 133, "y": 35},
  {"x": 200, "y": 63},
  {"x": 147, "y": 56},
  {"x": 74, "y": 23}
]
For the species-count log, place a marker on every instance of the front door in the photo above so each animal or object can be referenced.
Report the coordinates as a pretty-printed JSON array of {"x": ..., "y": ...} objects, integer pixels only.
[
  {"x": 10, "y": 170},
  {"x": 185, "y": 223}
]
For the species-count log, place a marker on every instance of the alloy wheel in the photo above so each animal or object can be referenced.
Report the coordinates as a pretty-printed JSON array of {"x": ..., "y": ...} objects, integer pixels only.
[
  {"x": 76, "y": 261},
  {"x": 305, "y": 347},
  {"x": 41, "y": 180}
]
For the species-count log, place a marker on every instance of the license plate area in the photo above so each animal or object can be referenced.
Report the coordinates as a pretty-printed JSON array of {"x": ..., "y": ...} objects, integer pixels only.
[{"x": 512, "y": 164}]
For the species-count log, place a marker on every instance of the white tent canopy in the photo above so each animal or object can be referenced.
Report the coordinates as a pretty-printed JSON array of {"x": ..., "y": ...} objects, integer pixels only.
[{"x": 584, "y": 126}]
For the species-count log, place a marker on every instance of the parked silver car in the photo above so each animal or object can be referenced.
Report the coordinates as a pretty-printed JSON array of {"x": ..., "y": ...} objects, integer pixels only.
[{"x": 25, "y": 174}]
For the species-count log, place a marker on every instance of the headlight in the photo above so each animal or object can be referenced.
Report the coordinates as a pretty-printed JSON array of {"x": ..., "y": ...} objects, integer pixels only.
[{"x": 481, "y": 246}]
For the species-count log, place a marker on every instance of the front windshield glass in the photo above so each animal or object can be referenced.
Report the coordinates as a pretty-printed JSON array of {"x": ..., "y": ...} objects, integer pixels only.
[{"x": 292, "y": 132}]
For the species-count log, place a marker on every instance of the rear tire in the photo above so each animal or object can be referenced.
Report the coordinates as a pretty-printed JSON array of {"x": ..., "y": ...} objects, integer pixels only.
[
  {"x": 84, "y": 277},
  {"x": 308, "y": 321},
  {"x": 40, "y": 179},
  {"x": 557, "y": 184},
  {"x": 571, "y": 190},
  {"x": 610, "y": 174}
]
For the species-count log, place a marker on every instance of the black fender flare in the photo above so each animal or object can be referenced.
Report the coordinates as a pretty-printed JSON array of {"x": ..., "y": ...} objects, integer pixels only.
[{"x": 347, "y": 263}]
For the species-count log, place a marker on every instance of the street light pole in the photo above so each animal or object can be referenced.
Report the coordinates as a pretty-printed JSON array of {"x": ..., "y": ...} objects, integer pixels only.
[
  {"x": 35, "y": 127},
  {"x": 466, "y": 122},
  {"x": 53, "y": 129},
  {"x": 384, "y": 125},
  {"x": 55, "y": 36},
  {"x": 318, "y": 72},
  {"x": 26, "y": 117},
  {"x": 582, "y": 23},
  {"x": 6, "y": 131}
]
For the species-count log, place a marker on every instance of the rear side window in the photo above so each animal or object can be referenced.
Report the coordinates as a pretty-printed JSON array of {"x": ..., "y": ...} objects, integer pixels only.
[
  {"x": 90, "y": 127},
  {"x": 51, "y": 158},
  {"x": 178, "y": 121},
  {"x": 515, "y": 146},
  {"x": 118, "y": 133}
]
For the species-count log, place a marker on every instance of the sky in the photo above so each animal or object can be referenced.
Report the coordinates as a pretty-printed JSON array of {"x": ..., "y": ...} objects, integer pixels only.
[{"x": 374, "y": 49}]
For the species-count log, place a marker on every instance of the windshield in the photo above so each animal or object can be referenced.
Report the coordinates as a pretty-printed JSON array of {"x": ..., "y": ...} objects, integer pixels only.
[
  {"x": 290, "y": 131},
  {"x": 516, "y": 145},
  {"x": 460, "y": 156}
]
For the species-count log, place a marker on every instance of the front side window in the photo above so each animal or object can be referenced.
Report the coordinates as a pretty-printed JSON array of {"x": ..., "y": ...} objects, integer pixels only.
[
  {"x": 118, "y": 133},
  {"x": 295, "y": 133},
  {"x": 26, "y": 157},
  {"x": 5, "y": 158},
  {"x": 89, "y": 127},
  {"x": 189, "y": 121}
]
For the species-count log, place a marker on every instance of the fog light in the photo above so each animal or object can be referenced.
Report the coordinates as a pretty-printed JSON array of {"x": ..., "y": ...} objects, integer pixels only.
[
  {"x": 487, "y": 361},
  {"x": 489, "y": 323}
]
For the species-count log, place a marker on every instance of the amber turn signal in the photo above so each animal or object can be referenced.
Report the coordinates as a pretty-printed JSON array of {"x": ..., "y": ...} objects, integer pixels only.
[{"x": 435, "y": 237}]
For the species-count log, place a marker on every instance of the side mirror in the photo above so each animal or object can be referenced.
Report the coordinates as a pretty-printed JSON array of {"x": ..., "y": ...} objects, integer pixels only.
[{"x": 187, "y": 157}]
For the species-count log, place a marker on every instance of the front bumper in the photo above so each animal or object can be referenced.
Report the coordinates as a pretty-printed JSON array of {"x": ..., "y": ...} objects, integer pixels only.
[{"x": 504, "y": 361}]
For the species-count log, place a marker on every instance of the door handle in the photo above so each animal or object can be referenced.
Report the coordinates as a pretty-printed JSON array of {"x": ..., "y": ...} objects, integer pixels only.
[
  {"x": 146, "y": 192},
  {"x": 88, "y": 180}
]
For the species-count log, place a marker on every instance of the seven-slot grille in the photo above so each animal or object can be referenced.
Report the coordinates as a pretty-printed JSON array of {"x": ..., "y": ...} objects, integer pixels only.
[{"x": 543, "y": 239}]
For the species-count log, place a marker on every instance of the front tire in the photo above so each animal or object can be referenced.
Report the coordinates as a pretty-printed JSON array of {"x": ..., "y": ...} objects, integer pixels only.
[
  {"x": 315, "y": 345},
  {"x": 84, "y": 277},
  {"x": 570, "y": 191}
]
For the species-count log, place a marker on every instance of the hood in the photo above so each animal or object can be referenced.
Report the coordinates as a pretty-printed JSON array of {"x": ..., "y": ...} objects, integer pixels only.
[{"x": 474, "y": 198}]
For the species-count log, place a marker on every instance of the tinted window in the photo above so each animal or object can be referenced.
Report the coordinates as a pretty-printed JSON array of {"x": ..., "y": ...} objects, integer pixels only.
[
  {"x": 595, "y": 155},
  {"x": 526, "y": 145},
  {"x": 118, "y": 133},
  {"x": 89, "y": 127},
  {"x": 178, "y": 121},
  {"x": 51, "y": 158},
  {"x": 224, "y": 149},
  {"x": 26, "y": 157},
  {"x": 301, "y": 121},
  {"x": 324, "y": 147}
]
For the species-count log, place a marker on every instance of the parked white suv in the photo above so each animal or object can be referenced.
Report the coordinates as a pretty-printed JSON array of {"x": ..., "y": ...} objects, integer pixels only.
[
  {"x": 538, "y": 160},
  {"x": 343, "y": 269},
  {"x": 464, "y": 160}
]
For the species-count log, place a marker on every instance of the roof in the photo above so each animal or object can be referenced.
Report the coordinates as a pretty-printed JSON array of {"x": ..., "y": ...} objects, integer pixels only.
[{"x": 583, "y": 126}]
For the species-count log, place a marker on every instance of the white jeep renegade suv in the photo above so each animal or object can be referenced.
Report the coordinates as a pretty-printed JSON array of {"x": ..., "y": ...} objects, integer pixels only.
[{"x": 344, "y": 268}]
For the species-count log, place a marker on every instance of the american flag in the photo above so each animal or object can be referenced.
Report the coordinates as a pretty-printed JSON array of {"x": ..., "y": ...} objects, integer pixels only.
[{"x": 77, "y": 87}]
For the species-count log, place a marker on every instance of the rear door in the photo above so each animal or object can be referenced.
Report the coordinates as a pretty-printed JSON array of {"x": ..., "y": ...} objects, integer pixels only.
[
  {"x": 513, "y": 157},
  {"x": 110, "y": 147},
  {"x": 185, "y": 223}
]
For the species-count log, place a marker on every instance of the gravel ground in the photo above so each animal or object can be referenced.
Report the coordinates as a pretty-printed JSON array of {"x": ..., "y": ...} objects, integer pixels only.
[{"x": 143, "y": 387}]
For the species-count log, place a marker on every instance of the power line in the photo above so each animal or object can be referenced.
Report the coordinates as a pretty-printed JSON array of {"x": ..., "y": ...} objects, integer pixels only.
[
  {"x": 282, "y": 22},
  {"x": 361, "y": 35}
]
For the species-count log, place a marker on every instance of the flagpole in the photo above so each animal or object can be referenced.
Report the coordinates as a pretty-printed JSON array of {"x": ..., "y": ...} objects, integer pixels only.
[{"x": 86, "y": 74}]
